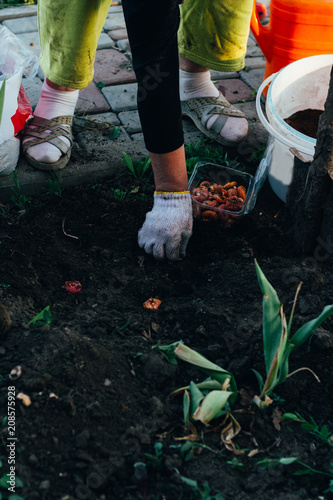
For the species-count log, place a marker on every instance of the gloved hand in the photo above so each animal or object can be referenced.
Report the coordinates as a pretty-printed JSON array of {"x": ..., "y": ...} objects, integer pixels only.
[{"x": 168, "y": 227}]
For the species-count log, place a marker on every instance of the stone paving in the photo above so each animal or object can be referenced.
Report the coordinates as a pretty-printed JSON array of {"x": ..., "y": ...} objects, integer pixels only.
[{"x": 111, "y": 98}]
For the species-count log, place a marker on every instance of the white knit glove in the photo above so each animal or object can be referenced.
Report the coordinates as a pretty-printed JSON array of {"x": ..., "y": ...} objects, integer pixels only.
[{"x": 168, "y": 227}]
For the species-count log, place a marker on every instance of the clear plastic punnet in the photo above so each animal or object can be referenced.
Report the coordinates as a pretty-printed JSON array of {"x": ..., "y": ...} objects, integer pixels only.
[{"x": 222, "y": 194}]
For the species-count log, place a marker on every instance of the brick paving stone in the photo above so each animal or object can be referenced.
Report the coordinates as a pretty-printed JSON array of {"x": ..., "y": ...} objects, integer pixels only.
[
  {"x": 33, "y": 89},
  {"x": 251, "y": 42},
  {"x": 22, "y": 25},
  {"x": 254, "y": 62},
  {"x": 234, "y": 90},
  {"x": 254, "y": 51},
  {"x": 125, "y": 46},
  {"x": 115, "y": 8},
  {"x": 18, "y": 12},
  {"x": 31, "y": 40},
  {"x": 249, "y": 108},
  {"x": 91, "y": 101},
  {"x": 121, "y": 97},
  {"x": 222, "y": 75},
  {"x": 114, "y": 21},
  {"x": 137, "y": 137},
  {"x": 101, "y": 117},
  {"x": 118, "y": 34},
  {"x": 253, "y": 78},
  {"x": 131, "y": 121},
  {"x": 112, "y": 67},
  {"x": 105, "y": 42}
]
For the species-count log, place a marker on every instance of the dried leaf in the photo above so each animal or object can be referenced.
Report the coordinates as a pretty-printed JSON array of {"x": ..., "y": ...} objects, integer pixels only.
[
  {"x": 25, "y": 398},
  {"x": 277, "y": 418},
  {"x": 229, "y": 433},
  {"x": 252, "y": 453}
]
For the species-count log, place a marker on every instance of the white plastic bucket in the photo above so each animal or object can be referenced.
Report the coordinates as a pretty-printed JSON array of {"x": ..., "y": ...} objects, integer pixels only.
[{"x": 301, "y": 85}]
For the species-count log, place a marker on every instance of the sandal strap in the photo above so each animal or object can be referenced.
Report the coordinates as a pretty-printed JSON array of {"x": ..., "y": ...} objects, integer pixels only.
[
  {"x": 39, "y": 129},
  {"x": 205, "y": 107}
]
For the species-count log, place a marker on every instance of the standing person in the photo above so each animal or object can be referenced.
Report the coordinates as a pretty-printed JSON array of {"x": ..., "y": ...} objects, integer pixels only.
[
  {"x": 69, "y": 32},
  {"x": 213, "y": 34}
]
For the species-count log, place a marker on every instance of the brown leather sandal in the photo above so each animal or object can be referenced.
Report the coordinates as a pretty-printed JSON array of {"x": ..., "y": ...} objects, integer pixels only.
[
  {"x": 200, "y": 109},
  {"x": 43, "y": 130}
]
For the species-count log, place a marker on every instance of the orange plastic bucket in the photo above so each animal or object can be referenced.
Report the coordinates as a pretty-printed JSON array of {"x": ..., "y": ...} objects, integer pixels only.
[{"x": 296, "y": 29}]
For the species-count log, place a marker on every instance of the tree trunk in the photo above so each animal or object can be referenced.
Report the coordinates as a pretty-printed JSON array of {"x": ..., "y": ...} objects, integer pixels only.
[{"x": 309, "y": 198}]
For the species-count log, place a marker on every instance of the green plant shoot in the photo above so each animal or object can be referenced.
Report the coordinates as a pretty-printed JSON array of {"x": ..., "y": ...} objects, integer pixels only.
[
  {"x": 277, "y": 338},
  {"x": 42, "y": 318}
]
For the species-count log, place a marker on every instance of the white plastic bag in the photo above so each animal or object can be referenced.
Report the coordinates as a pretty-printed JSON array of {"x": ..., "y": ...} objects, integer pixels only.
[{"x": 16, "y": 60}]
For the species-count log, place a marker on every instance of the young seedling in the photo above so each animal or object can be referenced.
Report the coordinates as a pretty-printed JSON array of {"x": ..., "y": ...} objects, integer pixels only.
[
  {"x": 322, "y": 432},
  {"x": 42, "y": 318},
  {"x": 277, "y": 339},
  {"x": 200, "y": 151},
  {"x": 137, "y": 169},
  {"x": 18, "y": 198},
  {"x": 53, "y": 185},
  {"x": 206, "y": 400},
  {"x": 306, "y": 469}
]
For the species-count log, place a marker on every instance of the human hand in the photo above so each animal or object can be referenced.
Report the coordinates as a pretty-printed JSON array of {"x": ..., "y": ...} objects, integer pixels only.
[{"x": 168, "y": 227}]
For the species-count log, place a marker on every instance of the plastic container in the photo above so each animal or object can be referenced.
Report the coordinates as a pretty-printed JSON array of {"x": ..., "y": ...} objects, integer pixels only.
[
  {"x": 221, "y": 175},
  {"x": 296, "y": 29},
  {"x": 301, "y": 85}
]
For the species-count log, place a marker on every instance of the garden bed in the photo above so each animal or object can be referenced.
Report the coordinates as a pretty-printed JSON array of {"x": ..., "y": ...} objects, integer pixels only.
[{"x": 101, "y": 423}]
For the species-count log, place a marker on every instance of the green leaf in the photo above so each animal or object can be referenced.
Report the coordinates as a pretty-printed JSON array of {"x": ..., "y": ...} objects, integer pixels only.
[
  {"x": 211, "y": 406},
  {"x": 43, "y": 315},
  {"x": 306, "y": 330},
  {"x": 272, "y": 323},
  {"x": 259, "y": 379},
  {"x": 128, "y": 162},
  {"x": 288, "y": 461},
  {"x": 211, "y": 369},
  {"x": 2, "y": 97},
  {"x": 292, "y": 416},
  {"x": 115, "y": 132},
  {"x": 186, "y": 407},
  {"x": 168, "y": 351},
  {"x": 196, "y": 397}
]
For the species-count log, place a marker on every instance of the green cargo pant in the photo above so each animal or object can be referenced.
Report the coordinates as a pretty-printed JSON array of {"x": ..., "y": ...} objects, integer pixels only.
[{"x": 212, "y": 33}]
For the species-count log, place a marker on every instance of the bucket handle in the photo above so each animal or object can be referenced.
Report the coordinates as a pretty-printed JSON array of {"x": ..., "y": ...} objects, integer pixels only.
[{"x": 273, "y": 132}]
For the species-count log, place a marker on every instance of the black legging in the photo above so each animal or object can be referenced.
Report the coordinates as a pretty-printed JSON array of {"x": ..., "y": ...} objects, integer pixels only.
[{"x": 152, "y": 30}]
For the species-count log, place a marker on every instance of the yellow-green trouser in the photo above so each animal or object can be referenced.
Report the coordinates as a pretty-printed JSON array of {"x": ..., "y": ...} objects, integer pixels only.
[{"x": 212, "y": 33}]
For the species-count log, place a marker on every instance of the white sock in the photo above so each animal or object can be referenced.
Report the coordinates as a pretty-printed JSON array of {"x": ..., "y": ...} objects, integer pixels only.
[
  {"x": 200, "y": 85},
  {"x": 52, "y": 103}
]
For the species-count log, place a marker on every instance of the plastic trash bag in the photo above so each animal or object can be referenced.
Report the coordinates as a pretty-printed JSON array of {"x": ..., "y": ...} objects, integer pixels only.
[{"x": 16, "y": 60}]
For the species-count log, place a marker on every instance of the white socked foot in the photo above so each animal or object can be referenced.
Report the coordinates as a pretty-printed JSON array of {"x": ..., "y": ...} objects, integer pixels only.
[
  {"x": 52, "y": 103},
  {"x": 199, "y": 84}
]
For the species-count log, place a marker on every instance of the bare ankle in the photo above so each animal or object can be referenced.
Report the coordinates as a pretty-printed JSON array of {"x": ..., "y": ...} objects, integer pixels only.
[
  {"x": 55, "y": 86},
  {"x": 190, "y": 66}
]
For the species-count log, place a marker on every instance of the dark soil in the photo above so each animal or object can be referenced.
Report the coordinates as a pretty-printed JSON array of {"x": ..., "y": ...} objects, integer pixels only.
[
  {"x": 305, "y": 121},
  {"x": 99, "y": 388}
]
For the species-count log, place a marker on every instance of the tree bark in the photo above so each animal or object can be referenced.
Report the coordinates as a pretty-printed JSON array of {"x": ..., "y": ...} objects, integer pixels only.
[{"x": 310, "y": 188}]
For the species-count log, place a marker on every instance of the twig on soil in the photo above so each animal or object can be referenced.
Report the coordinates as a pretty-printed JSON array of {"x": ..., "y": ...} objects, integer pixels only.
[{"x": 66, "y": 234}]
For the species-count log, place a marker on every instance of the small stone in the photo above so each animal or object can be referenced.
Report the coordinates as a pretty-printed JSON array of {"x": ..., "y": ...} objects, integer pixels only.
[
  {"x": 44, "y": 485},
  {"x": 33, "y": 460}
]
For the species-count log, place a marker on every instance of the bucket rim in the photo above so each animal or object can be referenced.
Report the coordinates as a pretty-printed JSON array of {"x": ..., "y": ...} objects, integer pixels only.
[{"x": 309, "y": 140}]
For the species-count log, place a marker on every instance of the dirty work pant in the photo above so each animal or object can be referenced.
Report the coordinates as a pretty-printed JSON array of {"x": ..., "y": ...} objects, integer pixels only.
[
  {"x": 69, "y": 32},
  {"x": 214, "y": 33}
]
